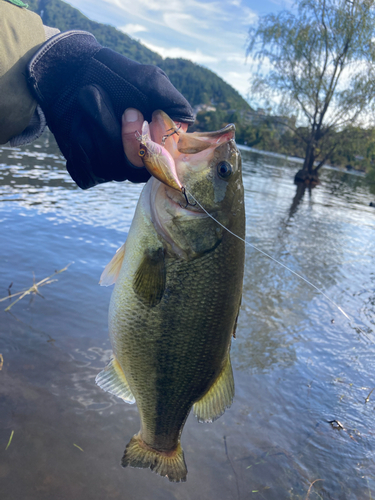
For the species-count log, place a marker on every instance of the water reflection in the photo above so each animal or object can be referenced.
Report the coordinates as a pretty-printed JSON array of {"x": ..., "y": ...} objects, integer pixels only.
[
  {"x": 295, "y": 369},
  {"x": 35, "y": 177},
  {"x": 298, "y": 197}
]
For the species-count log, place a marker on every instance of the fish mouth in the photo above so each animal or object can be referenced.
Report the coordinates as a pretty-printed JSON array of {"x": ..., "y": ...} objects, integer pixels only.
[
  {"x": 183, "y": 202},
  {"x": 167, "y": 205}
]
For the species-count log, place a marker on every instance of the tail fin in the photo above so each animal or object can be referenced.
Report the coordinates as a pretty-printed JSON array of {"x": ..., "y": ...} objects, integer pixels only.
[{"x": 172, "y": 466}]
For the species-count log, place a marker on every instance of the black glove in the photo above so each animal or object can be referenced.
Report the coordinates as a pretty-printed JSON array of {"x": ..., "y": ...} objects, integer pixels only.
[{"x": 83, "y": 90}]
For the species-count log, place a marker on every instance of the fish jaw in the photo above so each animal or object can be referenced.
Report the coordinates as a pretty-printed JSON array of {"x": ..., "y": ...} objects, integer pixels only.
[
  {"x": 182, "y": 219},
  {"x": 187, "y": 162},
  {"x": 171, "y": 216},
  {"x": 176, "y": 146},
  {"x": 199, "y": 141},
  {"x": 191, "y": 158},
  {"x": 219, "y": 195}
]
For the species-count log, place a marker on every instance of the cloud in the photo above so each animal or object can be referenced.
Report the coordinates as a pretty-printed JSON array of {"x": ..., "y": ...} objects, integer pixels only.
[
  {"x": 234, "y": 58},
  {"x": 175, "y": 52},
  {"x": 189, "y": 26},
  {"x": 239, "y": 80},
  {"x": 209, "y": 32},
  {"x": 249, "y": 16},
  {"x": 131, "y": 29}
]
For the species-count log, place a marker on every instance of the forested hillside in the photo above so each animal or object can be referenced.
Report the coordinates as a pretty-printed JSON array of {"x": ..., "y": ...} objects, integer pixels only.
[{"x": 199, "y": 85}]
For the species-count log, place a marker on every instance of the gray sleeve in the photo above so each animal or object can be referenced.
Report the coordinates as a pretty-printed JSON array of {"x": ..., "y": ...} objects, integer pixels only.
[
  {"x": 34, "y": 130},
  {"x": 38, "y": 121}
]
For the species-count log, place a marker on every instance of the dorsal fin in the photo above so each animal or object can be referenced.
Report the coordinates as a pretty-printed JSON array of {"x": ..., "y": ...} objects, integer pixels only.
[{"x": 113, "y": 268}]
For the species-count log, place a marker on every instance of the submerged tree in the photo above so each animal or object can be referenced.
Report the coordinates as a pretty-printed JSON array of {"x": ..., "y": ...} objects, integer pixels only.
[{"x": 317, "y": 61}]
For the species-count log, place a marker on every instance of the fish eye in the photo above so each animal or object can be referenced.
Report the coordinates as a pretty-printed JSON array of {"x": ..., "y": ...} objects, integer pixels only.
[{"x": 224, "y": 169}]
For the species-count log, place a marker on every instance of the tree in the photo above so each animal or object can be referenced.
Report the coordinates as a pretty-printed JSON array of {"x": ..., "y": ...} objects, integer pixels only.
[{"x": 321, "y": 56}]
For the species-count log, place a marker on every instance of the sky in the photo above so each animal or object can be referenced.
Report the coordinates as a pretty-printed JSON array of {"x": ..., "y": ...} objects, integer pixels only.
[{"x": 212, "y": 33}]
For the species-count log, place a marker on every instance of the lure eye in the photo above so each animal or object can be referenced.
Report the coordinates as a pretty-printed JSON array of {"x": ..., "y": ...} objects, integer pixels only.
[
  {"x": 142, "y": 152},
  {"x": 224, "y": 169}
]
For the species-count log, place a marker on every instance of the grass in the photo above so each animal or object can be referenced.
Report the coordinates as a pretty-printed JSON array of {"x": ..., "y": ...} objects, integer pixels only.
[{"x": 33, "y": 289}]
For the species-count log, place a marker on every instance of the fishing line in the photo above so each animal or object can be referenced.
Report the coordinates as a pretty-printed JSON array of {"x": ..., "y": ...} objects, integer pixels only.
[{"x": 351, "y": 322}]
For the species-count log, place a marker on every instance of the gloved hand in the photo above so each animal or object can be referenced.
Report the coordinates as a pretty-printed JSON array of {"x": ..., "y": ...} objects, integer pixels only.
[{"x": 83, "y": 90}]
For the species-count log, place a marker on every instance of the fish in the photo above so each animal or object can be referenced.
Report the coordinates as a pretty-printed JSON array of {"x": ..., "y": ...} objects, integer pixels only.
[{"x": 178, "y": 286}]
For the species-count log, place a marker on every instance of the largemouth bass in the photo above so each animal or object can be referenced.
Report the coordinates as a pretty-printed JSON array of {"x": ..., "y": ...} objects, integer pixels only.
[{"x": 178, "y": 289}]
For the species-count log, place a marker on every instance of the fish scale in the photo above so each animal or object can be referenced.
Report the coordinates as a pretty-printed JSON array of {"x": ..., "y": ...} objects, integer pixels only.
[
  {"x": 174, "y": 306},
  {"x": 190, "y": 337}
]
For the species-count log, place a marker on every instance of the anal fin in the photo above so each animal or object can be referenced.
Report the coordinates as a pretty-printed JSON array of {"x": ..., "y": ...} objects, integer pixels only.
[
  {"x": 112, "y": 379},
  {"x": 218, "y": 398}
]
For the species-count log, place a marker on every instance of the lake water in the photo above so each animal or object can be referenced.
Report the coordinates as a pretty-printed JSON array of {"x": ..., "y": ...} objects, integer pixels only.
[{"x": 298, "y": 362}]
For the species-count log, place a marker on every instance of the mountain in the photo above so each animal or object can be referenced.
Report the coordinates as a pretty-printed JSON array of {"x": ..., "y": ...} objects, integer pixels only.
[
  {"x": 63, "y": 16},
  {"x": 201, "y": 85},
  {"x": 198, "y": 84}
]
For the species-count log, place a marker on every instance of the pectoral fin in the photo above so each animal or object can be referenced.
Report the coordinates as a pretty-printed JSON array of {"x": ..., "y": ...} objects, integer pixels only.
[
  {"x": 112, "y": 379},
  {"x": 150, "y": 277},
  {"x": 113, "y": 268},
  {"x": 218, "y": 398}
]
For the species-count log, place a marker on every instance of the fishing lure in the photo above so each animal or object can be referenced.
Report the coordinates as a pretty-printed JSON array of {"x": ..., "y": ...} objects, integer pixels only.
[{"x": 157, "y": 159}]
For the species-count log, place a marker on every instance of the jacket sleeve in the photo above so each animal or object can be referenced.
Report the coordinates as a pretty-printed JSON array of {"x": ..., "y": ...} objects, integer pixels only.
[{"x": 21, "y": 35}]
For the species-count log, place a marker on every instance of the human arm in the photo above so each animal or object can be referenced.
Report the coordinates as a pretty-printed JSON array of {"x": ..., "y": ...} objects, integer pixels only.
[
  {"x": 83, "y": 90},
  {"x": 21, "y": 34}
]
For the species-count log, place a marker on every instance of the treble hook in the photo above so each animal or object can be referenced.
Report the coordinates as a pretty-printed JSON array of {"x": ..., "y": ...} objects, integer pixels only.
[
  {"x": 183, "y": 190},
  {"x": 165, "y": 137}
]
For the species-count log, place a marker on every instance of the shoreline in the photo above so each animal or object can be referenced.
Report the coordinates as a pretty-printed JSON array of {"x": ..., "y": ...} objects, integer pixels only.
[{"x": 296, "y": 159}]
